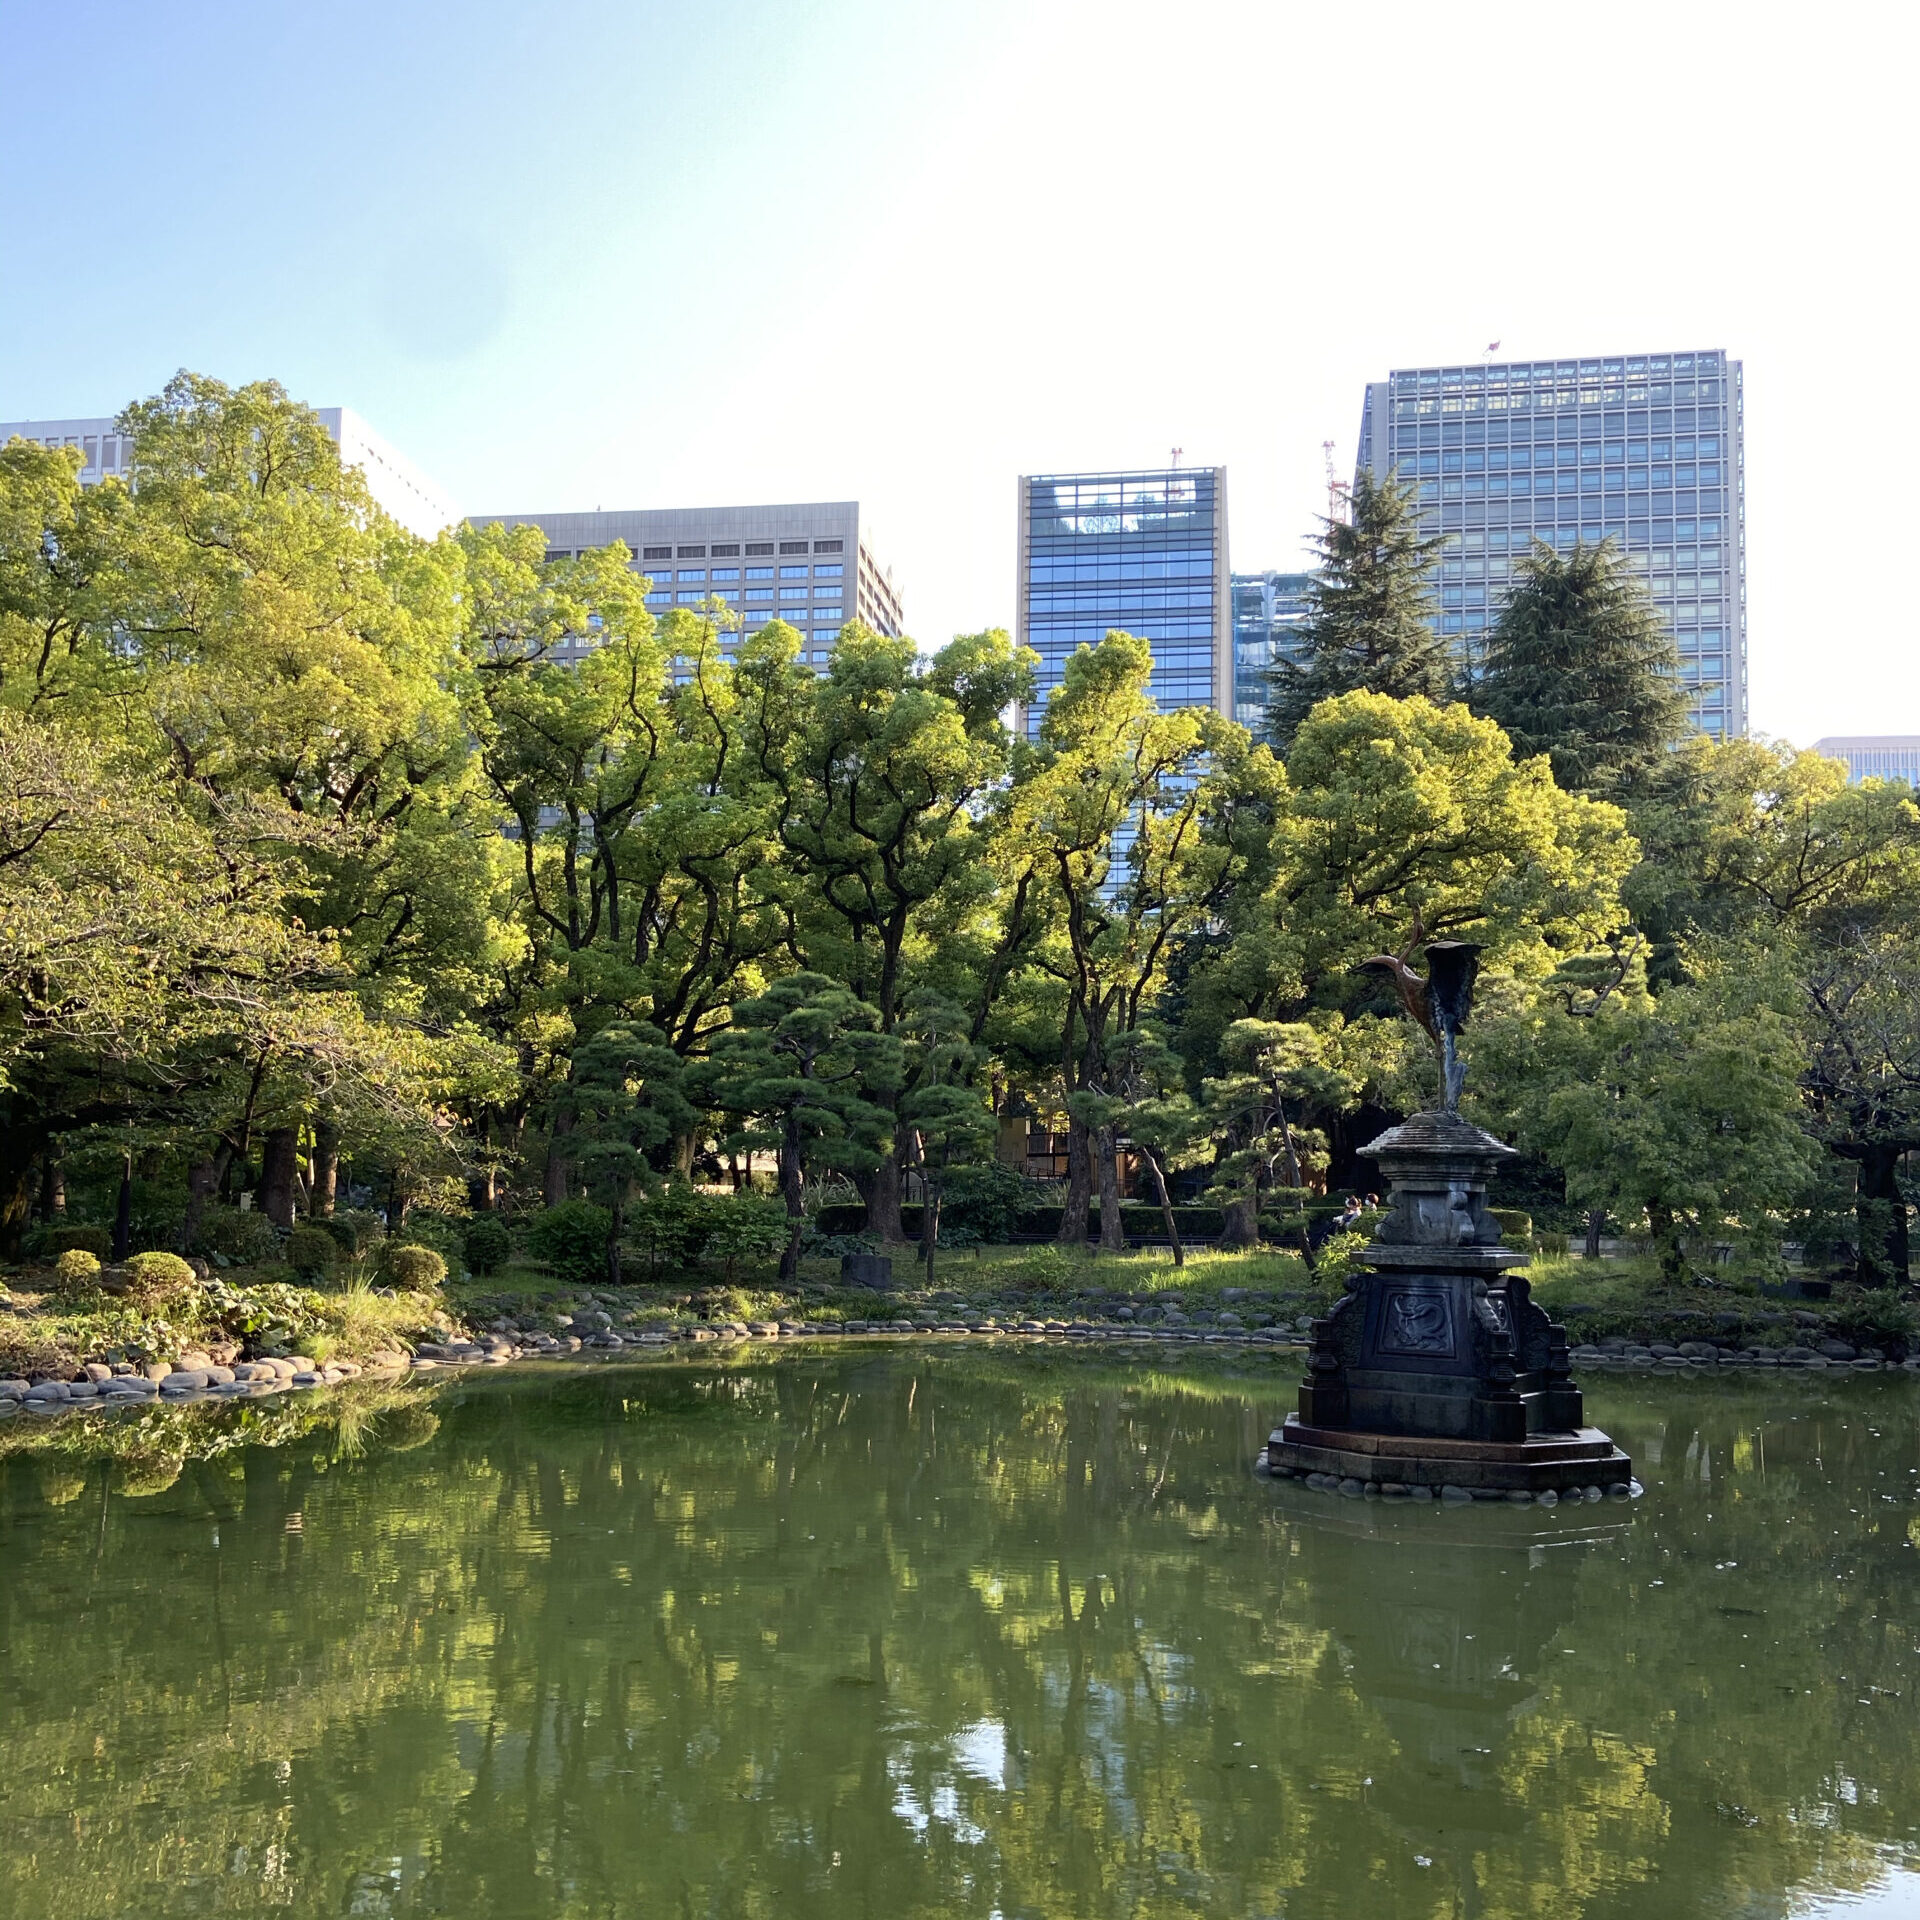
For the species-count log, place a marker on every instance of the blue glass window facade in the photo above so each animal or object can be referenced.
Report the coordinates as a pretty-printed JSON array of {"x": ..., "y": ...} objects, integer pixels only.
[
  {"x": 1267, "y": 610},
  {"x": 1143, "y": 552},
  {"x": 1884, "y": 756},
  {"x": 1646, "y": 448}
]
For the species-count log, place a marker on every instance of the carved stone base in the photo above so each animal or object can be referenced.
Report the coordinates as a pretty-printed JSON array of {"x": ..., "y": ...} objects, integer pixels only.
[{"x": 1584, "y": 1458}]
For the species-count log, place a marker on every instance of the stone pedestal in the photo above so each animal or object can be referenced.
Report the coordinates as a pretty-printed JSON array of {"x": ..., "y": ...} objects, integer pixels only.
[{"x": 1437, "y": 1368}]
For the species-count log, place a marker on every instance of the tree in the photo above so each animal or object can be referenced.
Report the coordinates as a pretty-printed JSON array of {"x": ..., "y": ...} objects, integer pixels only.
[
  {"x": 946, "y": 1119},
  {"x": 1369, "y": 622},
  {"x": 795, "y": 1065},
  {"x": 880, "y": 767},
  {"x": 1858, "y": 970},
  {"x": 628, "y": 1107},
  {"x": 1155, "y": 1115},
  {"x": 1683, "y": 1109},
  {"x": 1109, "y": 814},
  {"x": 1272, "y": 1065},
  {"x": 1579, "y": 666},
  {"x": 1410, "y": 822}
]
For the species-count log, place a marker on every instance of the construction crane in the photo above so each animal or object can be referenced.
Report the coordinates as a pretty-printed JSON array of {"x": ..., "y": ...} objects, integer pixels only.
[{"x": 1339, "y": 492}]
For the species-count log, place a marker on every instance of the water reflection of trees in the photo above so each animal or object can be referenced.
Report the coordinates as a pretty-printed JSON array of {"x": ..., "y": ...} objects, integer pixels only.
[{"x": 924, "y": 1634}]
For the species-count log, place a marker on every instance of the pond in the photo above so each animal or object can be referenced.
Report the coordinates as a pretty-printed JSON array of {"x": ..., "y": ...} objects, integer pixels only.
[{"x": 946, "y": 1631}]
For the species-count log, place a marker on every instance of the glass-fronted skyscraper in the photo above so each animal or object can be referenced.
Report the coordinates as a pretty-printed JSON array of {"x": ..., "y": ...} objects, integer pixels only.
[
  {"x": 1645, "y": 447},
  {"x": 1267, "y": 608},
  {"x": 1144, "y": 552}
]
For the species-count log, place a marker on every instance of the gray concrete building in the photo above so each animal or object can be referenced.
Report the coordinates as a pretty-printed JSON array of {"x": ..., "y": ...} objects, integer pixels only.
[
  {"x": 394, "y": 481},
  {"x": 1875, "y": 756},
  {"x": 812, "y": 565},
  {"x": 1648, "y": 449}
]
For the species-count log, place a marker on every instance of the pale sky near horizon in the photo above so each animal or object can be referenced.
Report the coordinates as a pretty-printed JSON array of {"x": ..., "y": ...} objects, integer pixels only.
[{"x": 592, "y": 254}]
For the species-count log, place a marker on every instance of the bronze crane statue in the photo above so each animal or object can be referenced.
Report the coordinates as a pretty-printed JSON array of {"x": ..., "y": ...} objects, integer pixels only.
[{"x": 1437, "y": 1001}]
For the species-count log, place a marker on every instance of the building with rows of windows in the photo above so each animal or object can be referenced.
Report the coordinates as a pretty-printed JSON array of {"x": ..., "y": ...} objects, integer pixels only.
[
  {"x": 1875, "y": 756},
  {"x": 810, "y": 566},
  {"x": 1267, "y": 610},
  {"x": 1646, "y": 449},
  {"x": 1144, "y": 552},
  {"x": 396, "y": 484}
]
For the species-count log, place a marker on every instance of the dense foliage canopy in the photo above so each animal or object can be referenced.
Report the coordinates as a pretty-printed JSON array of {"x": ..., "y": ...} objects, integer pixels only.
[{"x": 316, "y": 855}]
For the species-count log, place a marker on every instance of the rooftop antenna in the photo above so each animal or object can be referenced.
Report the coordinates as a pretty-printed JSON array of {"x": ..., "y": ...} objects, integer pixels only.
[
  {"x": 1178, "y": 455},
  {"x": 1338, "y": 504}
]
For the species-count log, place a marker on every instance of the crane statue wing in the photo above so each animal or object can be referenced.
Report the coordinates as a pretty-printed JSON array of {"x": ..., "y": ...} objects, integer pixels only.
[{"x": 1437, "y": 1001}]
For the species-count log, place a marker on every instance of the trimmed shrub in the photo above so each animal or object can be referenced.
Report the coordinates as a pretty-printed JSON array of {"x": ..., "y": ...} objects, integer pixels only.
[
  {"x": 76, "y": 1268},
  {"x": 667, "y": 1227},
  {"x": 486, "y": 1245},
  {"x": 312, "y": 1252},
  {"x": 572, "y": 1239},
  {"x": 243, "y": 1239},
  {"x": 743, "y": 1227},
  {"x": 1516, "y": 1227},
  {"x": 153, "y": 1280},
  {"x": 1551, "y": 1243},
  {"x": 418, "y": 1269}
]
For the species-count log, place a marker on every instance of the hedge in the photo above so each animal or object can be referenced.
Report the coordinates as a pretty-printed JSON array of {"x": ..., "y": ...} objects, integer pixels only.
[{"x": 1139, "y": 1222}]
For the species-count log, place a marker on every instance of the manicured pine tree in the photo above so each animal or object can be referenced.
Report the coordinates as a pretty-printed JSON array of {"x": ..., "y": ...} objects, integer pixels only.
[
  {"x": 1580, "y": 667},
  {"x": 1369, "y": 625}
]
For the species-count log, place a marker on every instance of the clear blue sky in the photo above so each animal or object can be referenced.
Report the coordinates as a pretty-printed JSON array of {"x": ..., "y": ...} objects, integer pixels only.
[{"x": 587, "y": 254}]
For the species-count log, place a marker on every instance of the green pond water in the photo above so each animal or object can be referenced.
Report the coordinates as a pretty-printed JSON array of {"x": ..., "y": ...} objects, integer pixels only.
[{"x": 949, "y": 1631}]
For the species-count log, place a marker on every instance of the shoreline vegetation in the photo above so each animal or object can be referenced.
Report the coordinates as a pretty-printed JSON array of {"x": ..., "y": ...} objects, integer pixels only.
[{"x": 402, "y": 939}]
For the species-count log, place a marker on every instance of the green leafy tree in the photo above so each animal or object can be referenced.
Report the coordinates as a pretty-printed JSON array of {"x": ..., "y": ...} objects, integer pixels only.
[
  {"x": 1276, "y": 1070},
  {"x": 880, "y": 768},
  {"x": 1156, "y": 1117},
  {"x": 946, "y": 1118},
  {"x": 629, "y": 1107},
  {"x": 1369, "y": 623},
  {"x": 1579, "y": 666},
  {"x": 1109, "y": 813},
  {"x": 796, "y": 1066},
  {"x": 1683, "y": 1110}
]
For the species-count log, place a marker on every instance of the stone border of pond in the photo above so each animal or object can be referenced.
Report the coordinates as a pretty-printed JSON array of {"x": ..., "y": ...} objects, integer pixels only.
[
  {"x": 99, "y": 1386},
  {"x": 1409, "y": 1493}
]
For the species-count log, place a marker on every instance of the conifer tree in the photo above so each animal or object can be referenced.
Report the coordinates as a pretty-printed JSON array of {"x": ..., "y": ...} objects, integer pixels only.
[
  {"x": 1580, "y": 668},
  {"x": 1369, "y": 615}
]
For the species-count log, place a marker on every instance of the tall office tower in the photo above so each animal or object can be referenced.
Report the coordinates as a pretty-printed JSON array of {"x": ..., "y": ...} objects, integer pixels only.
[
  {"x": 810, "y": 565},
  {"x": 394, "y": 481},
  {"x": 1145, "y": 552},
  {"x": 1646, "y": 448},
  {"x": 1875, "y": 756},
  {"x": 1267, "y": 608}
]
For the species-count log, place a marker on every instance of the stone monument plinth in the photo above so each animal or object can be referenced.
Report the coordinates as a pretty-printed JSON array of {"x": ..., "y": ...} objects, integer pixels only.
[{"x": 1437, "y": 1368}]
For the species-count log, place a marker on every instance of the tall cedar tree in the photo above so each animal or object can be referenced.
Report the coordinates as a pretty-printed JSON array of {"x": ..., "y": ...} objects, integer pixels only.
[
  {"x": 1580, "y": 668},
  {"x": 1369, "y": 613}
]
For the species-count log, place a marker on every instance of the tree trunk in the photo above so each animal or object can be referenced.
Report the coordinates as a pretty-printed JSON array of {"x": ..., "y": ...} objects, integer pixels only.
[
  {"x": 1166, "y": 1209},
  {"x": 1240, "y": 1225},
  {"x": 20, "y": 1148},
  {"x": 279, "y": 1148},
  {"x": 1073, "y": 1214},
  {"x": 123, "y": 1209},
  {"x": 880, "y": 1189},
  {"x": 1596, "y": 1225},
  {"x": 617, "y": 1221},
  {"x": 203, "y": 1182},
  {"x": 559, "y": 1177},
  {"x": 1880, "y": 1215},
  {"x": 929, "y": 1221},
  {"x": 1666, "y": 1238},
  {"x": 53, "y": 1187},
  {"x": 793, "y": 1191},
  {"x": 1113, "y": 1232}
]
